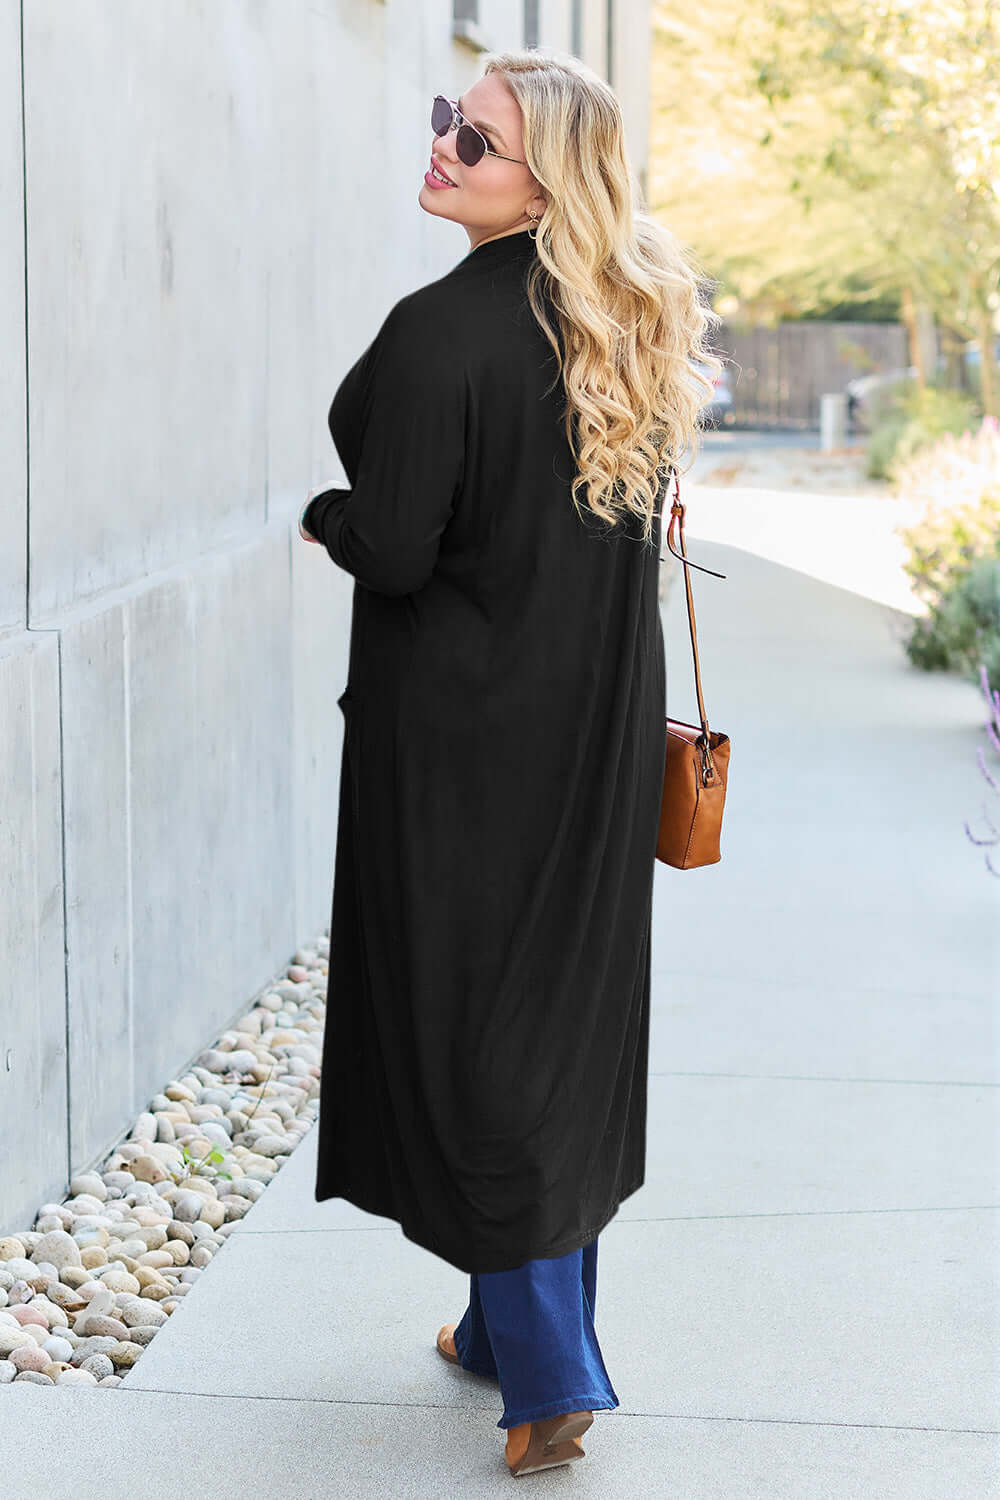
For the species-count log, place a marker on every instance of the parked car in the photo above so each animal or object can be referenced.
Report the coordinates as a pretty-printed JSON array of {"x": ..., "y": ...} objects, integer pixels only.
[
  {"x": 972, "y": 353},
  {"x": 715, "y": 411},
  {"x": 972, "y": 361},
  {"x": 864, "y": 391}
]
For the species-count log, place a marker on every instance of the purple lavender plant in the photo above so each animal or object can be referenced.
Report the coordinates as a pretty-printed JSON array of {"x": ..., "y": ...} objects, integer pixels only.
[{"x": 992, "y": 696}]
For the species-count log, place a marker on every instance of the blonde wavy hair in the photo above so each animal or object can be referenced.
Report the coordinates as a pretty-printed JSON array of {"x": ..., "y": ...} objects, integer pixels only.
[{"x": 624, "y": 292}]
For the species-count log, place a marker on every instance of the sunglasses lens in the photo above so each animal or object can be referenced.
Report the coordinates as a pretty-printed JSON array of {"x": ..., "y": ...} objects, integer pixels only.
[{"x": 469, "y": 143}]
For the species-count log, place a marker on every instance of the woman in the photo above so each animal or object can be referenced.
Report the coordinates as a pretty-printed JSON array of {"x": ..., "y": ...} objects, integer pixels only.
[{"x": 507, "y": 436}]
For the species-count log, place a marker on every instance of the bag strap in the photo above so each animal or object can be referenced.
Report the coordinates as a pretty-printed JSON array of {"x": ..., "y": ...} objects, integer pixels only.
[{"x": 677, "y": 510}]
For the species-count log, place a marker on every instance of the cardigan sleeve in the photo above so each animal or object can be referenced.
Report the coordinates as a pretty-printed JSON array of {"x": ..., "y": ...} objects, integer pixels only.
[{"x": 386, "y": 529}]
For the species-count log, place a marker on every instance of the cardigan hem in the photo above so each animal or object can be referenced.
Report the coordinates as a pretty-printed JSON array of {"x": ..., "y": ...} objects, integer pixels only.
[{"x": 445, "y": 1251}]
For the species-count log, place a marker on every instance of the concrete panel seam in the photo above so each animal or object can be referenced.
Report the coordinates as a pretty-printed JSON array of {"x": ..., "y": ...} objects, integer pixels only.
[
  {"x": 27, "y": 405},
  {"x": 65, "y": 913},
  {"x": 129, "y": 866},
  {"x": 177, "y": 572}
]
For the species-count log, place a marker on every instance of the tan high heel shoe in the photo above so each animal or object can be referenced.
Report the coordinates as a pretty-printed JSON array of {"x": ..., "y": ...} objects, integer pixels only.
[
  {"x": 548, "y": 1443},
  {"x": 446, "y": 1343},
  {"x": 532, "y": 1445}
]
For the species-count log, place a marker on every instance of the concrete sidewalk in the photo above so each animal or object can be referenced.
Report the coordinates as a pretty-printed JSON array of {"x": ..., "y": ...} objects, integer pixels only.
[{"x": 803, "y": 1301}]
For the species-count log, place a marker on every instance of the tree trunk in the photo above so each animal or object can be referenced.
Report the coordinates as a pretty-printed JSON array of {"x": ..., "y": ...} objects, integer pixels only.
[
  {"x": 927, "y": 339},
  {"x": 990, "y": 383},
  {"x": 909, "y": 314},
  {"x": 918, "y": 319}
]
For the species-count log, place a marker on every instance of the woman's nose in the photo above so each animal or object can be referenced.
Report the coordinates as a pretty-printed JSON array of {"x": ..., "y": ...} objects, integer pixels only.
[{"x": 440, "y": 147}]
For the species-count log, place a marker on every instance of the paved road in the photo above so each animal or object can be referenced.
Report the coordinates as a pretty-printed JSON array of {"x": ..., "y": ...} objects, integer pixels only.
[
  {"x": 748, "y": 438},
  {"x": 776, "y": 496}
]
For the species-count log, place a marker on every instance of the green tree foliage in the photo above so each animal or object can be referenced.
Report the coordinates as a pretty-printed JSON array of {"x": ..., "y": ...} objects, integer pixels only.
[{"x": 809, "y": 147}]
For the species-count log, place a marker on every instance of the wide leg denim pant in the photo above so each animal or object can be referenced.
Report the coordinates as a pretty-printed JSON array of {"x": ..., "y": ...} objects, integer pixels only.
[{"x": 532, "y": 1329}]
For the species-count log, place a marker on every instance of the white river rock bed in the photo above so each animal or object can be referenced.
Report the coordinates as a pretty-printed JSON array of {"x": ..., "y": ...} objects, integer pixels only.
[{"x": 87, "y": 1288}]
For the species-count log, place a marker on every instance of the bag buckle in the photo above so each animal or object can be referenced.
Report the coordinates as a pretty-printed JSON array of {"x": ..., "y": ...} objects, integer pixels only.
[{"x": 708, "y": 771}]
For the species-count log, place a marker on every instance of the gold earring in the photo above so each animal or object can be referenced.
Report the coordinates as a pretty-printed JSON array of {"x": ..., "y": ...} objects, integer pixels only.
[{"x": 537, "y": 221}]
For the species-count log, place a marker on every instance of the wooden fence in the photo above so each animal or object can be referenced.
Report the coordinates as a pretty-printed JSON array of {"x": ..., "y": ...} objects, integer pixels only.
[{"x": 777, "y": 375}]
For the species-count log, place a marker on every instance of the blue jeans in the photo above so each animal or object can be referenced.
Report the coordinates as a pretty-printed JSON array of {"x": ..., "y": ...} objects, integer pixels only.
[{"x": 532, "y": 1329}]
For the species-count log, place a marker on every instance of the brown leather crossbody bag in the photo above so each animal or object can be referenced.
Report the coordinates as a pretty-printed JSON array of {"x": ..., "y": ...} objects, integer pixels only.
[{"x": 696, "y": 764}]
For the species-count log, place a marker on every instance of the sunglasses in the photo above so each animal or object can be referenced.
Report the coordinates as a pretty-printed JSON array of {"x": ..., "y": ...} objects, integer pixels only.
[{"x": 470, "y": 144}]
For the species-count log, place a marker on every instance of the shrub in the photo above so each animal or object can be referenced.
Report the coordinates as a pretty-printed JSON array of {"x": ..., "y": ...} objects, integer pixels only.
[
  {"x": 961, "y": 633},
  {"x": 954, "y": 560},
  {"x": 992, "y": 840},
  {"x": 909, "y": 419}
]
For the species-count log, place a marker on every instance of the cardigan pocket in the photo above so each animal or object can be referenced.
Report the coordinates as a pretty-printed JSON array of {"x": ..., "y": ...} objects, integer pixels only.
[{"x": 351, "y": 760}]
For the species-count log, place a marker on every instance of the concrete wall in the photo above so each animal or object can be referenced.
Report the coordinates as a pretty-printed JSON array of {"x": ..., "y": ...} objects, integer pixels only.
[{"x": 208, "y": 209}]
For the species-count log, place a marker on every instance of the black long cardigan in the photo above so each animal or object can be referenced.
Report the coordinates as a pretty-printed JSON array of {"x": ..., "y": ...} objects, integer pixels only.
[{"x": 486, "y": 1046}]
